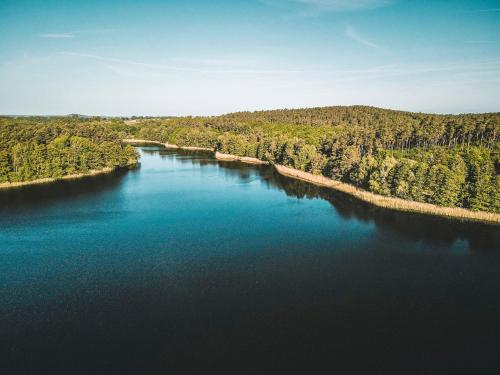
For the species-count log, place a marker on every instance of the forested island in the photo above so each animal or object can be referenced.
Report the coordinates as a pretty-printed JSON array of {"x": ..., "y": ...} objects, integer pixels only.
[{"x": 445, "y": 160}]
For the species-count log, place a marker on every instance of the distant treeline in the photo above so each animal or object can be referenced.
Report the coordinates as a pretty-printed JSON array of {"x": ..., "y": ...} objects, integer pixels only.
[
  {"x": 34, "y": 148},
  {"x": 441, "y": 159}
]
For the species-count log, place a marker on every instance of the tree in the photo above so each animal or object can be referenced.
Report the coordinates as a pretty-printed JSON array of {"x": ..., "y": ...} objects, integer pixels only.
[
  {"x": 4, "y": 166},
  {"x": 403, "y": 177},
  {"x": 360, "y": 173},
  {"x": 444, "y": 186},
  {"x": 380, "y": 182}
]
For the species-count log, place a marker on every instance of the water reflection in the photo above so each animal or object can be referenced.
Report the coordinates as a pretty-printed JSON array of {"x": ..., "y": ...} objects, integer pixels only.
[
  {"x": 415, "y": 227},
  {"x": 38, "y": 196}
]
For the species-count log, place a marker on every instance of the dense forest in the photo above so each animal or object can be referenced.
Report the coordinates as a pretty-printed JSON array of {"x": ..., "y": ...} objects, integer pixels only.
[
  {"x": 448, "y": 160},
  {"x": 39, "y": 147}
]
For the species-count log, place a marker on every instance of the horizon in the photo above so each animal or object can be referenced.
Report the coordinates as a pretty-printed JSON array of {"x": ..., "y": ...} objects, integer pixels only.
[
  {"x": 173, "y": 59},
  {"x": 83, "y": 115}
]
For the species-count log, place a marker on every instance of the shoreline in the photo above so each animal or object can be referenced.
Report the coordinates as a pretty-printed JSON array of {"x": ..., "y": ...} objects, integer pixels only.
[
  {"x": 391, "y": 203},
  {"x": 48, "y": 180},
  {"x": 244, "y": 159},
  {"x": 193, "y": 148}
]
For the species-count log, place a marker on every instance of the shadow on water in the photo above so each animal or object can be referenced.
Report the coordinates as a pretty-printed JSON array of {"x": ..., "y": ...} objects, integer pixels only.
[
  {"x": 38, "y": 196},
  {"x": 415, "y": 227}
]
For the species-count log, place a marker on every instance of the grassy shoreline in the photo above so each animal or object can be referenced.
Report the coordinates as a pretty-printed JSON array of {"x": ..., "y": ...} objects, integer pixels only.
[
  {"x": 392, "y": 203},
  {"x": 243, "y": 159},
  {"x": 40, "y": 181}
]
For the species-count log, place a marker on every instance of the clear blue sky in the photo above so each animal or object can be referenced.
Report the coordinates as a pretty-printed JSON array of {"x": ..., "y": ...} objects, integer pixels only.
[{"x": 207, "y": 57}]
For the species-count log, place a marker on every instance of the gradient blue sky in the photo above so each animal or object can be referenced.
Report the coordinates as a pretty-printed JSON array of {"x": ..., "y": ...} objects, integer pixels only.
[{"x": 208, "y": 57}]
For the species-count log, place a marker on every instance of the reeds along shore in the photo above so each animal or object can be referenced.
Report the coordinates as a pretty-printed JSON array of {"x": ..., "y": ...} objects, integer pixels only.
[
  {"x": 243, "y": 159},
  {"x": 93, "y": 172},
  {"x": 9, "y": 185},
  {"x": 390, "y": 202}
]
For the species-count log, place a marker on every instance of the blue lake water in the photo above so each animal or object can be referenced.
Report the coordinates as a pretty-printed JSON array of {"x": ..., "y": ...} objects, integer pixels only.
[{"x": 187, "y": 264}]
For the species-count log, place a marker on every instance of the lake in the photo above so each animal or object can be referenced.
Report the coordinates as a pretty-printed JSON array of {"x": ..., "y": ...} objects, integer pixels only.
[{"x": 187, "y": 264}]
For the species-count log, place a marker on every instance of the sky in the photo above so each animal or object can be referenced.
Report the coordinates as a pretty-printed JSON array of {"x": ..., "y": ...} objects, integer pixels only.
[{"x": 152, "y": 57}]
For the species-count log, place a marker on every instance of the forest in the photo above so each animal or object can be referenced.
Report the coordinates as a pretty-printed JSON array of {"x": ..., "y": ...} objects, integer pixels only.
[
  {"x": 448, "y": 160},
  {"x": 33, "y": 148}
]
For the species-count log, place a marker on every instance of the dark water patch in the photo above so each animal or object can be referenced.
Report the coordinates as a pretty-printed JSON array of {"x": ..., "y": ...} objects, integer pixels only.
[{"x": 34, "y": 196}]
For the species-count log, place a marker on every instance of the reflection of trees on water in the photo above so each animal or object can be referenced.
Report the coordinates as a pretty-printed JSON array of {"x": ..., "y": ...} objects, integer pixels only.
[
  {"x": 33, "y": 196},
  {"x": 415, "y": 227}
]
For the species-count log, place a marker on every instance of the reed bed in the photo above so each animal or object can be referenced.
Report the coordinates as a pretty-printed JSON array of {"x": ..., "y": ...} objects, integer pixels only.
[
  {"x": 243, "y": 159},
  {"x": 9, "y": 185},
  {"x": 390, "y": 202}
]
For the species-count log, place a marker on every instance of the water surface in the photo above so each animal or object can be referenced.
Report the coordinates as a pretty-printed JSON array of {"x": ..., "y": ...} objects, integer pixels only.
[{"x": 189, "y": 264}]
